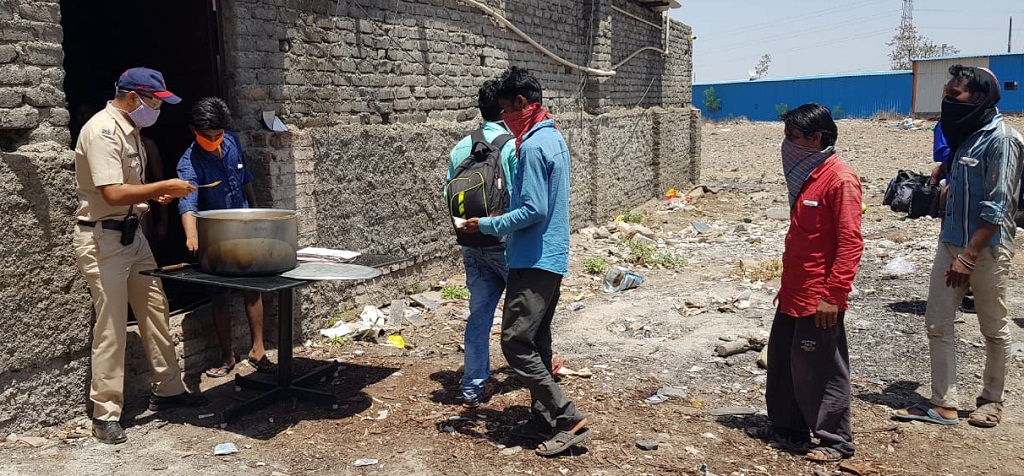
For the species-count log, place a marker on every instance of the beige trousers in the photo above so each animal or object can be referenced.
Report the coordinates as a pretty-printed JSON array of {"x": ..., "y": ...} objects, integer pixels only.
[
  {"x": 112, "y": 272},
  {"x": 988, "y": 282}
]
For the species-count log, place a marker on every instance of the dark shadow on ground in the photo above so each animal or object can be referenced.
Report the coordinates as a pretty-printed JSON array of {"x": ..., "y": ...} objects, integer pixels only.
[
  {"x": 265, "y": 423},
  {"x": 495, "y": 426},
  {"x": 450, "y": 392},
  {"x": 901, "y": 394},
  {"x": 1019, "y": 321},
  {"x": 915, "y": 306},
  {"x": 742, "y": 422}
]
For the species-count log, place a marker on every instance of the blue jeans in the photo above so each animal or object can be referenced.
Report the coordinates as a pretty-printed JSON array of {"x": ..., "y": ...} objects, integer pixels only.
[{"x": 486, "y": 275}]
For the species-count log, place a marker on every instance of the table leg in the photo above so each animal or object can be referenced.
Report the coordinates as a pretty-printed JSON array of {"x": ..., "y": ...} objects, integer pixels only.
[
  {"x": 284, "y": 338},
  {"x": 285, "y": 387}
]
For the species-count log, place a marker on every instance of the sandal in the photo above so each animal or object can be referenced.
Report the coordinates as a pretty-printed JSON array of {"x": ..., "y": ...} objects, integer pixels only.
[
  {"x": 264, "y": 365},
  {"x": 825, "y": 454},
  {"x": 988, "y": 414},
  {"x": 219, "y": 372},
  {"x": 564, "y": 440}
]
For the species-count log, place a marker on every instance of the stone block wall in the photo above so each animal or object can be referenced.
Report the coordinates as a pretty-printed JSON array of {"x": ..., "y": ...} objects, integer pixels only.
[
  {"x": 44, "y": 309},
  {"x": 374, "y": 94}
]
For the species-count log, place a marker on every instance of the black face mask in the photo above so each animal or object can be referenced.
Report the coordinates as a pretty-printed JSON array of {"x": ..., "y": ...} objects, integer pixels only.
[{"x": 961, "y": 119}]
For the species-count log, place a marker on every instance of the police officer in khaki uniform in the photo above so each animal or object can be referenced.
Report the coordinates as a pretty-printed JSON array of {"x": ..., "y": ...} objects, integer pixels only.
[{"x": 110, "y": 162}]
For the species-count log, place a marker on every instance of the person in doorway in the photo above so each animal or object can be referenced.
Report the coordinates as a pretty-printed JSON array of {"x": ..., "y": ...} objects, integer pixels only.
[
  {"x": 216, "y": 157},
  {"x": 486, "y": 272},
  {"x": 110, "y": 163},
  {"x": 808, "y": 387},
  {"x": 975, "y": 245},
  {"x": 537, "y": 252}
]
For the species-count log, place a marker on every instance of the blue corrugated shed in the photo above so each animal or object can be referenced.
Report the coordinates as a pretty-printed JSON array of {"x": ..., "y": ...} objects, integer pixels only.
[
  {"x": 933, "y": 73},
  {"x": 1009, "y": 69},
  {"x": 859, "y": 95}
]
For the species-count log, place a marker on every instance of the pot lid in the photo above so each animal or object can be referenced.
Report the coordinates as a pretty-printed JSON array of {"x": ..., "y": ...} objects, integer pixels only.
[{"x": 329, "y": 271}]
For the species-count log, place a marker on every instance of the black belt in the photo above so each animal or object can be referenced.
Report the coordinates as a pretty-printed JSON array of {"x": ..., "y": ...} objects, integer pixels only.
[{"x": 107, "y": 224}]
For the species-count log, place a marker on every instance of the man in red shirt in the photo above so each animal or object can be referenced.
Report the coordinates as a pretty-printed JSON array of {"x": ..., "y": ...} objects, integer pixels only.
[{"x": 808, "y": 388}]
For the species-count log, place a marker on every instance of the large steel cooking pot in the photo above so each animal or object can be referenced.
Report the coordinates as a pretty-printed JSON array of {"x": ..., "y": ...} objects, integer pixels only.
[{"x": 247, "y": 241}]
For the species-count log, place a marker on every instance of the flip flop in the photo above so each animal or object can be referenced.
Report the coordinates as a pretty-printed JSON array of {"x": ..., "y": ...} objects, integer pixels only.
[
  {"x": 219, "y": 372},
  {"x": 264, "y": 365},
  {"x": 930, "y": 416},
  {"x": 562, "y": 441}
]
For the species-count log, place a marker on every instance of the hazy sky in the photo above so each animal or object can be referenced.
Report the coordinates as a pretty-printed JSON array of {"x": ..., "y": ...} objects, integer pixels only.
[{"x": 807, "y": 37}]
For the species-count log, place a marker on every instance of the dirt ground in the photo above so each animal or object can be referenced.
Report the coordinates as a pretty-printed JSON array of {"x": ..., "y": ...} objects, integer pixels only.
[{"x": 398, "y": 408}]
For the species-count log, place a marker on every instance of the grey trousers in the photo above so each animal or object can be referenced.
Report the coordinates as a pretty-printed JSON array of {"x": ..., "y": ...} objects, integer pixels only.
[
  {"x": 808, "y": 389},
  {"x": 530, "y": 300}
]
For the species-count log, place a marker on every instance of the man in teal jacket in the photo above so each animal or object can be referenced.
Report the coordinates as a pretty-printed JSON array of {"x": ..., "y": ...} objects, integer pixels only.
[
  {"x": 486, "y": 272},
  {"x": 537, "y": 252}
]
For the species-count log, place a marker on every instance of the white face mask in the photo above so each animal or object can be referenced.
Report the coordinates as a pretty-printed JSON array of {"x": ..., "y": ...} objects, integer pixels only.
[{"x": 144, "y": 116}]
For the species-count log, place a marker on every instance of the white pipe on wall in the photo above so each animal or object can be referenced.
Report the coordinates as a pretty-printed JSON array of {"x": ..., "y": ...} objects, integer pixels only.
[{"x": 559, "y": 59}]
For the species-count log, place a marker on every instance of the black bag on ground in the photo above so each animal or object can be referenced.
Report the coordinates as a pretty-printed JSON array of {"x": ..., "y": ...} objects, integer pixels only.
[
  {"x": 901, "y": 188},
  {"x": 478, "y": 188},
  {"x": 924, "y": 202}
]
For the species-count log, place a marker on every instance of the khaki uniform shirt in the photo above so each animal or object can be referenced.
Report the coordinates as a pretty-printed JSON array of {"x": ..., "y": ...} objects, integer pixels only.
[{"x": 109, "y": 151}]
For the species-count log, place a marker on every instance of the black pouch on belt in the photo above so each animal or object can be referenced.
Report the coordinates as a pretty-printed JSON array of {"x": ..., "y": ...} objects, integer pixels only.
[{"x": 131, "y": 225}]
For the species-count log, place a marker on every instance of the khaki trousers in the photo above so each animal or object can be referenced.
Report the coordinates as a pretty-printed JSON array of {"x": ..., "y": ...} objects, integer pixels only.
[
  {"x": 112, "y": 272},
  {"x": 988, "y": 281}
]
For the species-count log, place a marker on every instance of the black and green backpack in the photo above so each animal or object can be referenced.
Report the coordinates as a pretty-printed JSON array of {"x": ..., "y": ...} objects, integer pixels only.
[{"x": 479, "y": 188}]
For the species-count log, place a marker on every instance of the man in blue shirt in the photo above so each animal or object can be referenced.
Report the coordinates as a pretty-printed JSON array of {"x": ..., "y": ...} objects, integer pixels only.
[
  {"x": 975, "y": 244},
  {"x": 537, "y": 252},
  {"x": 216, "y": 157},
  {"x": 486, "y": 272}
]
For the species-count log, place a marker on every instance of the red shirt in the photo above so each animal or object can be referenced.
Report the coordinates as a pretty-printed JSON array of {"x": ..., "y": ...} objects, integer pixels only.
[{"x": 824, "y": 243}]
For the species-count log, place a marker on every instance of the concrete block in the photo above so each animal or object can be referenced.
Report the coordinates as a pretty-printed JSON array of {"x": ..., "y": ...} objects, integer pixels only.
[
  {"x": 45, "y": 54},
  {"x": 10, "y": 98},
  {"x": 16, "y": 75},
  {"x": 12, "y": 31},
  {"x": 8, "y": 53},
  {"x": 48, "y": 12},
  {"x": 24, "y": 117},
  {"x": 59, "y": 117},
  {"x": 44, "y": 96}
]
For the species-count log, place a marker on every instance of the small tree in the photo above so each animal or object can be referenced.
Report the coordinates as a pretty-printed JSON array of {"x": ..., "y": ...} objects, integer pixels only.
[
  {"x": 712, "y": 103},
  {"x": 761, "y": 70},
  {"x": 907, "y": 45}
]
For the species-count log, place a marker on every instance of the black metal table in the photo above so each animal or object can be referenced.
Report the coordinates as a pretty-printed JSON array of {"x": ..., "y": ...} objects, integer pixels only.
[{"x": 286, "y": 385}]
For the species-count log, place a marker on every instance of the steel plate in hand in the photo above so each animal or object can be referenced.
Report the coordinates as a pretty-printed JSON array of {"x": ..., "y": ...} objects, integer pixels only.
[{"x": 327, "y": 271}]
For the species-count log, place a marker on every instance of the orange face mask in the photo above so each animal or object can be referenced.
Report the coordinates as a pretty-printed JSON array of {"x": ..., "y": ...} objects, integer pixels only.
[{"x": 207, "y": 144}]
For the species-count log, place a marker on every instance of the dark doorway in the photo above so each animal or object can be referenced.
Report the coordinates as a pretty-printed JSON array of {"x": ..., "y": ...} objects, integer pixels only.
[{"x": 179, "y": 38}]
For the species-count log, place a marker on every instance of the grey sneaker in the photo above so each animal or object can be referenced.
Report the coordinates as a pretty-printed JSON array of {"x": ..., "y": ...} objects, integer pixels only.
[{"x": 109, "y": 432}]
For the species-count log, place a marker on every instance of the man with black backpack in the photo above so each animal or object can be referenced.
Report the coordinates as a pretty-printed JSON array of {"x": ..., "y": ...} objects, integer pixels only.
[
  {"x": 477, "y": 185},
  {"x": 537, "y": 227},
  {"x": 976, "y": 246}
]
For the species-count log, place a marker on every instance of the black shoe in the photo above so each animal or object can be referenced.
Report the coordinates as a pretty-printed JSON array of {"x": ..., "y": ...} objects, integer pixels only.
[
  {"x": 109, "y": 432},
  {"x": 181, "y": 400},
  {"x": 967, "y": 305}
]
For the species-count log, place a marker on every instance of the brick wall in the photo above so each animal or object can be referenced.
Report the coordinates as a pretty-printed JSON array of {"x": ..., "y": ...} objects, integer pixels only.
[
  {"x": 44, "y": 309},
  {"x": 374, "y": 94}
]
